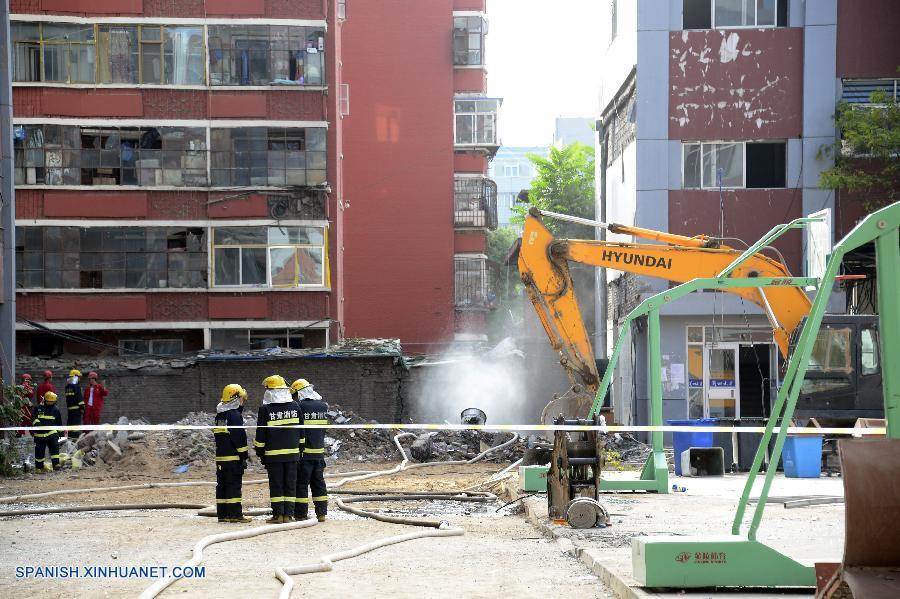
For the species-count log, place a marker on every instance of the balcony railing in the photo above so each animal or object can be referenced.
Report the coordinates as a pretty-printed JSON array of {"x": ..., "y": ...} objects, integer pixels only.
[
  {"x": 476, "y": 283},
  {"x": 475, "y": 203}
]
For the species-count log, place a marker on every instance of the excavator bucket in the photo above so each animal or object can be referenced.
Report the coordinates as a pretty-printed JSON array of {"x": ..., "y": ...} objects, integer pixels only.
[{"x": 871, "y": 565}]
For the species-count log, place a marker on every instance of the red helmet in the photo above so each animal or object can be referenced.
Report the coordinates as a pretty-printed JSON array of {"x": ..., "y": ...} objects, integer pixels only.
[
  {"x": 26, "y": 377},
  {"x": 92, "y": 375},
  {"x": 48, "y": 374}
]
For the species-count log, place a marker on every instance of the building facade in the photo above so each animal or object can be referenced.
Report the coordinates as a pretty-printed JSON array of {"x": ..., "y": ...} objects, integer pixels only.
[
  {"x": 418, "y": 138},
  {"x": 189, "y": 175},
  {"x": 569, "y": 130},
  {"x": 713, "y": 114},
  {"x": 512, "y": 171}
]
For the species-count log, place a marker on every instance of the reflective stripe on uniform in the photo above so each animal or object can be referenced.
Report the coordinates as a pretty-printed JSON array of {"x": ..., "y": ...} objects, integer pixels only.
[
  {"x": 47, "y": 434},
  {"x": 301, "y": 500},
  {"x": 284, "y": 421},
  {"x": 227, "y": 458},
  {"x": 320, "y": 450},
  {"x": 283, "y": 451},
  {"x": 315, "y": 422},
  {"x": 74, "y": 407},
  {"x": 54, "y": 457},
  {"x": 219, "y": 430},
  {"x": 232, "y": 500},
  {"x": 279, "y": 499},
  {"x": 242, "y": 449},
  {"x": 259, "y": 444},
  {"x": 303, "y": 439},
  {"x": 321, "y": 498}
]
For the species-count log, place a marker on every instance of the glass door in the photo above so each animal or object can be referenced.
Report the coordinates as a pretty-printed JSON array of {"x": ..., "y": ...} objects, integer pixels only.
[{"x": 721, "y": 380}]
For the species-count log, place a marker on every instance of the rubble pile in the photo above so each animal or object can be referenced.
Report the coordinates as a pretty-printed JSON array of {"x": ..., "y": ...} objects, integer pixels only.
[
  {"x": 631, "y": 451},
  {"x": 107, "y": 447},
  {"x": 196, "y": 447}
]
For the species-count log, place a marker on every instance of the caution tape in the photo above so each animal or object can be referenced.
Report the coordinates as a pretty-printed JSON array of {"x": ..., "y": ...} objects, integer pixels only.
[{"x": 794, "y": 430}]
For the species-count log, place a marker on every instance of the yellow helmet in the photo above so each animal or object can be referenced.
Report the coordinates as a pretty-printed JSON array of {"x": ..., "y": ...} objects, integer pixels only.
[
  {"x": 74, "y": 372},
  {"x": 50, "y": 397},
  {"x": 299, "y": 385},
  {"x": 231, "y": 392},
  {"x": 274, "y": 382}
]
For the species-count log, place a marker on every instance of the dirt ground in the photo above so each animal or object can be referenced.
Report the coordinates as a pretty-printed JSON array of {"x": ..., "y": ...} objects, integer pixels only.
[{"x": 500, "y": 553}]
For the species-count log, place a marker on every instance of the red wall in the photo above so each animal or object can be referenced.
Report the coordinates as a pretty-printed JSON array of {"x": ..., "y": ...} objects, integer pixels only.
[
  {"x": 736, "y": 84},
  {"x": 749, "y": 214},
  {"x": 398, "y": 164},
  {"x": 470, "y": 80},
  {"x": 470, "y": 242},
  {"x": 868, "y": 40},
  {"x": 292, "y": 9}
]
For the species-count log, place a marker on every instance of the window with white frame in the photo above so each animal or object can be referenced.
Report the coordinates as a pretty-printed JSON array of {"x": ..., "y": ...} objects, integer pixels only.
[
  {"x": 733, "y": 165},
  {"x": 468, "y": 40},
  {"x": 285, "y": 257},
  {"x": 511, "y": 169},
  {"x": 156, "y": 347},
  {"x": 721, "y": 14},
  {"x": 265, "y": 54},
  {"x": 476, "y": 121}
]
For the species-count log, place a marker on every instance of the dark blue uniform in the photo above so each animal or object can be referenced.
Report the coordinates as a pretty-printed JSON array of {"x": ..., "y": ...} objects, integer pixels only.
[
  {"x": 231, "y": 459},
  {"x": 46, "y": 415},
  {"x": 75, "y": 405},
  {"x": 311, "y": 474},
  {"x": 279, "y": 449}
]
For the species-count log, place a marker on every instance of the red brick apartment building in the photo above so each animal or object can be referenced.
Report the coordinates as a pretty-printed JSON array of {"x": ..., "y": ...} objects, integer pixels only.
[{"x": 190, "y": 175}]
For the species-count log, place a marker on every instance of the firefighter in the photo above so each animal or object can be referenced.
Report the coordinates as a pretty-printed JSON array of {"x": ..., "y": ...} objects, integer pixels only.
[
  {"x": 313, "y": 410},
  {"x": 47, "y": 414},
  {"x": 278, "y": 446},
  {"x": 47, "y": 385},
  {"x": 74, "y": 402},
  {"x": 27, "y": 409},
  {"x": 231, "y": 454}
]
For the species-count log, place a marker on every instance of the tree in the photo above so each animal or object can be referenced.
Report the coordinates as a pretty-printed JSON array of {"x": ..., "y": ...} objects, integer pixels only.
[
  {"x": 564, "y": 183},
  {"x": 866, "y": 155},
  {"x": 506, "y": 318}
]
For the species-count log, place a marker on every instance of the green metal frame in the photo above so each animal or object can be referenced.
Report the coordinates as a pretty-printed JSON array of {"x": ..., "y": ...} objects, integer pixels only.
[{"x": 684, "y": 562}]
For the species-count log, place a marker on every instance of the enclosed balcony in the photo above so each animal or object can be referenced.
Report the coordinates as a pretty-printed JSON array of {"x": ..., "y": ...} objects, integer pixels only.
[
  {"x": 475, "y": 283},
  {"x": 476, "y": 124},
  {"x": 475, "y": 203}
]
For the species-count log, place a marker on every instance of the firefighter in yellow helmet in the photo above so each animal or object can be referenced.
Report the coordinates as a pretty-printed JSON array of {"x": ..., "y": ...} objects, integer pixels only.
[
  {"x": 47, "y": 414},
  {"x": 74, "y": 402},
  {"x": 311, "y": 469},
  {"x": 231, "y": 454},
  {"x": 278, "y": 446}
]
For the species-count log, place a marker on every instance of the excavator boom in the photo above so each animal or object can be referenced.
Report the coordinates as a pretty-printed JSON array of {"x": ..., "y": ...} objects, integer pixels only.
[{"x": 544, "y": 269}]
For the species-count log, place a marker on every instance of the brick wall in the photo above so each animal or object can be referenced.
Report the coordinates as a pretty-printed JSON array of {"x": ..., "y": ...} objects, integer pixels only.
[{"x": 372, "y": 387}]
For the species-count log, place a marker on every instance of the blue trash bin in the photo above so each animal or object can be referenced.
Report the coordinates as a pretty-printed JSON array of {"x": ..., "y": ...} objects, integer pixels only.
[
  {"x": 682, "y": 441},
  {"x": 802, "y": 456}
]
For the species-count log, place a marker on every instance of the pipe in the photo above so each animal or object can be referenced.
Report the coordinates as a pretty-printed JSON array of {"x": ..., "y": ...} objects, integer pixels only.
[
  {"x": 342, "y": 504},
  {"x": 104, "y": 508},
  {"x": 163, "y": 583},
  {"x": 327, "y": 561},
  {"x": 192, "y": 483}
]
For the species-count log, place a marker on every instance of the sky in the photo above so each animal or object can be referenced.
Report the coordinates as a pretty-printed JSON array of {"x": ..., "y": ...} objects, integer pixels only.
[{"x": 543, "y": 59}]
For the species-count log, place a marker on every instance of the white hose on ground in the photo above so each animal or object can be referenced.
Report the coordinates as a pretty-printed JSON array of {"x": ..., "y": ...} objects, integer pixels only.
[
  {"x": 190, "y": 483},
  {"x": 326, "y": 562},
  {"x": 161, "y": 584}
]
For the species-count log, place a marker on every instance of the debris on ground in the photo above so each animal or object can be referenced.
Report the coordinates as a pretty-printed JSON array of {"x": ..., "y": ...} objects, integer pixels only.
[{"x": 196, "y": 447}]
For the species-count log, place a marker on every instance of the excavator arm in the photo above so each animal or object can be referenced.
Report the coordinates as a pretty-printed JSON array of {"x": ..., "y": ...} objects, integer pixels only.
[{"x": 544, "y": 269}]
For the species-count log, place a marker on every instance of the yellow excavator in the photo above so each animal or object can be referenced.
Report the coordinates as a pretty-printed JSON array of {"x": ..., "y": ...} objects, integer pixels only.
[{"x": 544, "y": 269}]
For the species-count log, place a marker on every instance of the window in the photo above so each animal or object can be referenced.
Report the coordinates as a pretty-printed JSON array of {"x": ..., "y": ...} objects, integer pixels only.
[
  {"x": 141, "y": 156},
  {"x": 831, "y": 352},
  {"x": 342, "y": 10},
  {"x": 468, "y": 40},
  {"x": 859, "y": 91},
  {"x": 156, "y": 347},
  {"x": 511, "y": 170},
  {"x": 704, "y": 14},
  {"x": 269, "y": 256},
  {"x": 79, "y": 53},
  {"x": 261, "y": 156},
  {"x": 476, "y": 122},
  {"x": 474, "y": 283},
  {"x": 266, "y": 54},
  {"x": 258, "y": 338},
  {"x": 869, "y": 351},
  {"x": 110, "y": 257},
  {"x": 734, "y": 165},
  {"x": 344, "y": 106}
]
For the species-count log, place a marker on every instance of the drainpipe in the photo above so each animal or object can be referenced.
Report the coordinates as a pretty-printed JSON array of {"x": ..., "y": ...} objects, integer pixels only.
[{"x": 7, "y": 209}]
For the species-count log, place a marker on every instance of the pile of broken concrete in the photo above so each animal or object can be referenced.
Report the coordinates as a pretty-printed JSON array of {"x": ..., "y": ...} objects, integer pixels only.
[{"x": 107, "y": 447}]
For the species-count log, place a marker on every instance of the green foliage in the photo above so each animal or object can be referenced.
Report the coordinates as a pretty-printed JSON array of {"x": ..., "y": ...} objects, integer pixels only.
[
  {"x": 564, "y": 183},
  {"x": 499, "y": 242},
  {"x": 614, "y": 460},
  {"x": 866, "y": 156},
  {"x": 503, "y": 320},
  {"x": 11, "y": 405}
]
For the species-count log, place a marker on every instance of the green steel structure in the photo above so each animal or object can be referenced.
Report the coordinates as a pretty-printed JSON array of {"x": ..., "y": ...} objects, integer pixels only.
[{"x": 738, "y": 560}]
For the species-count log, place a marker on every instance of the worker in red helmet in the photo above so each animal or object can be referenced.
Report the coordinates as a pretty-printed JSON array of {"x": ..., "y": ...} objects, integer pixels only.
[
  {"x": 27, "y": 386},
  {"x": 47, "y": 385},
  {"x": 94, "y": 395}
]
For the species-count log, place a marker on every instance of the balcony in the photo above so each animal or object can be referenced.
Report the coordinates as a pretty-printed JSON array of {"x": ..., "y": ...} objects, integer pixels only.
[
  {"x": 475, "y": 283},
  {"x": 475, "y": 203},
  {"x": 475, "y": 124}
]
